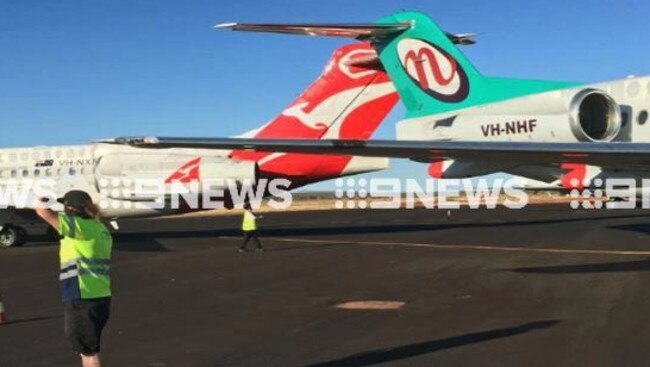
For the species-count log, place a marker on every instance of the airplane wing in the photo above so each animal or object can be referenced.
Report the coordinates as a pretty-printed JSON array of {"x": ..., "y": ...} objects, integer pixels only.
[{"x": 615, "y": 155}]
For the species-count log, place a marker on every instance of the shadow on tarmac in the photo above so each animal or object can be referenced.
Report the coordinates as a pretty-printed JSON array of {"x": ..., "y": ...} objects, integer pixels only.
[
  {"x": 33, "y": 319},
  {"x": 145, "y": 241},
  {"x": 610, "y": 267},
  {"x": 131, "y": 242},
  {"x": 141, "y": 244},
  {"x": 412, "y": 350},
  {"x": 643, "y": 228},
  {"x": 271, "y": 231}
]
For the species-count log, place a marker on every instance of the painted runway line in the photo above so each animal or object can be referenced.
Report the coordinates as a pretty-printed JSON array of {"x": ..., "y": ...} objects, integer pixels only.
[{"x": 463, "y": 247}]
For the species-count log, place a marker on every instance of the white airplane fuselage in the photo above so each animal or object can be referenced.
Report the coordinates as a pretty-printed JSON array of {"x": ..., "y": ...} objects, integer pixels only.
[
  {"x": 545, "y": 117},
  {"x": 86, "y": 167}
]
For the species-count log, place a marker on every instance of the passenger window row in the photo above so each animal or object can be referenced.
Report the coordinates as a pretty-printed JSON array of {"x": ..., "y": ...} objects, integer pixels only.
[
  {"x": 41, "y": 172},
  {"x": 46, "y": 154}
]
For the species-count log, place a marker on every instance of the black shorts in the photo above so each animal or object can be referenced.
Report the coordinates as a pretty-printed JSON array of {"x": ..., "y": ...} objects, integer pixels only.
[{"x": 84, "y": 321}]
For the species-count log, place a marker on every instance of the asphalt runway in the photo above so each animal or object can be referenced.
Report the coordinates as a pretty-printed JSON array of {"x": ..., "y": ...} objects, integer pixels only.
[{"x": 545, "y": 286}]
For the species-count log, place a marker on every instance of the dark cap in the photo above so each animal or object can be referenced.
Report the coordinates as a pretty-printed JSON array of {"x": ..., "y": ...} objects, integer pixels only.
[{"x": 75, "y": 199}]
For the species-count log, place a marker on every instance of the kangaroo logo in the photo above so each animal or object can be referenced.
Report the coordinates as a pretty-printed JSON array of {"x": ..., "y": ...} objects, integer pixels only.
[
  {"x": 433, "y": 70},
  {"x": 188, "y": 172},
  {"x": 347, "y": 63}
]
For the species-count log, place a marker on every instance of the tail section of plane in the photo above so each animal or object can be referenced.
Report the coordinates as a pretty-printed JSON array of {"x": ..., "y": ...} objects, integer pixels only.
[
  {"x": 347, "y": 101},
  {"x": 433, "y": 76},
  {"x": 430, "y": 73}
]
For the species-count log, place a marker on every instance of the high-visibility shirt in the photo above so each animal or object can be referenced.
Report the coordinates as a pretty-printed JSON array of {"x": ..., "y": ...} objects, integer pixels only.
[
  {"x": 249, "y": 222},
  {"x": 85, "y": 256}
]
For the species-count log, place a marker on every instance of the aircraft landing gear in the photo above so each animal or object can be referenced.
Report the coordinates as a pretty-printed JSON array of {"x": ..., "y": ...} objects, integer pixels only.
[{"x": 12, "y": 236}]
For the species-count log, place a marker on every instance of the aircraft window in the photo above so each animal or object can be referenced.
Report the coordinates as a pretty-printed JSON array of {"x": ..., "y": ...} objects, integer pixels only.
[
  {"x": 14, "y": 173},
  {"x": 72, "y": 171},
  {"x": 37, "y": 172},
  {"x": 25, "y": 173},
  {"x": 642, "y": 118},
  {"x": 48, "y": 172},
  {"x": 81, "y": 171}
]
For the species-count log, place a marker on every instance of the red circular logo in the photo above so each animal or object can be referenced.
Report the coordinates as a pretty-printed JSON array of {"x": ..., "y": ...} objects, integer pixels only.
[{"x": 433, "y": 70}]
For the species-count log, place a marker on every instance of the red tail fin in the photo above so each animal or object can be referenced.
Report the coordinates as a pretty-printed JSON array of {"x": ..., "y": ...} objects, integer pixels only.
[{"x": 347, "y": 101}]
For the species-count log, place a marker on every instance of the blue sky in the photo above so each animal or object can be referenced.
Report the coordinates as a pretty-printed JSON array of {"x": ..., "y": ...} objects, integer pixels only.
[{"x": 73, "y": 71}]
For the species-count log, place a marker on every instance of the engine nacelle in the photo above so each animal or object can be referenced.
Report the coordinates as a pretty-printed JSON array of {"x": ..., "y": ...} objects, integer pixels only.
[
  {"x": 594, "y": 116},
  {"x": 119, "y": 176}
]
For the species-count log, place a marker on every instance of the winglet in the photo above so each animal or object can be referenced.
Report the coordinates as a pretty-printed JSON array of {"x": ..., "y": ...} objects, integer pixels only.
[
  {"x": 225, "y": 25},
  {"x": 464, "y": 39}
]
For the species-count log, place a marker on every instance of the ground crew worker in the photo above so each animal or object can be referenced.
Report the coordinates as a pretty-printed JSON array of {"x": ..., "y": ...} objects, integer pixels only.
[
  {"x": 85, "y": 255},
  {"x": 249, "y": 228}
]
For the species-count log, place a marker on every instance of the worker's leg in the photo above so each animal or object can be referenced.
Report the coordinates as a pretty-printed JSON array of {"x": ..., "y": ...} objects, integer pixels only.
[
  {"x": 247, "y": 237},
  {"x": 257, "y": 241},
  {"x": 90, "y": 361},
  {"x": 85, "y": 321}
]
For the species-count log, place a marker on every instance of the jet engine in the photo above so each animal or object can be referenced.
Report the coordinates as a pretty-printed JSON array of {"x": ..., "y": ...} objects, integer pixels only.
[{"x": 594, "y": 116}]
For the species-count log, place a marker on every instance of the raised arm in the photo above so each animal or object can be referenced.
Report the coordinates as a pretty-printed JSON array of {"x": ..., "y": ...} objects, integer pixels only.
[{"x": 49, "y": 216}]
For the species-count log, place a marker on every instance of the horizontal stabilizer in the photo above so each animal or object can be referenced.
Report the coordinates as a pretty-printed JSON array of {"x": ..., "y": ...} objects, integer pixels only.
[
  {"x": 464, "y": 39},
  {"x": 356, "y": 31}
]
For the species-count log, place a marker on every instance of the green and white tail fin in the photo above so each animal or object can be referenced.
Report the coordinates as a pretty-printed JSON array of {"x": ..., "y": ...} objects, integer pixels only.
[
  {"x": 430, "y": 73},
  {"x": 433, "y": 76}
]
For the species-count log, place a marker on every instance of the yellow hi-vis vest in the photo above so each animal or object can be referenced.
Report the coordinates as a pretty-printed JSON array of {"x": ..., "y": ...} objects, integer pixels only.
[
  {"x": 249, "y": 222},
  {"x": 85, "y": 256}
]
